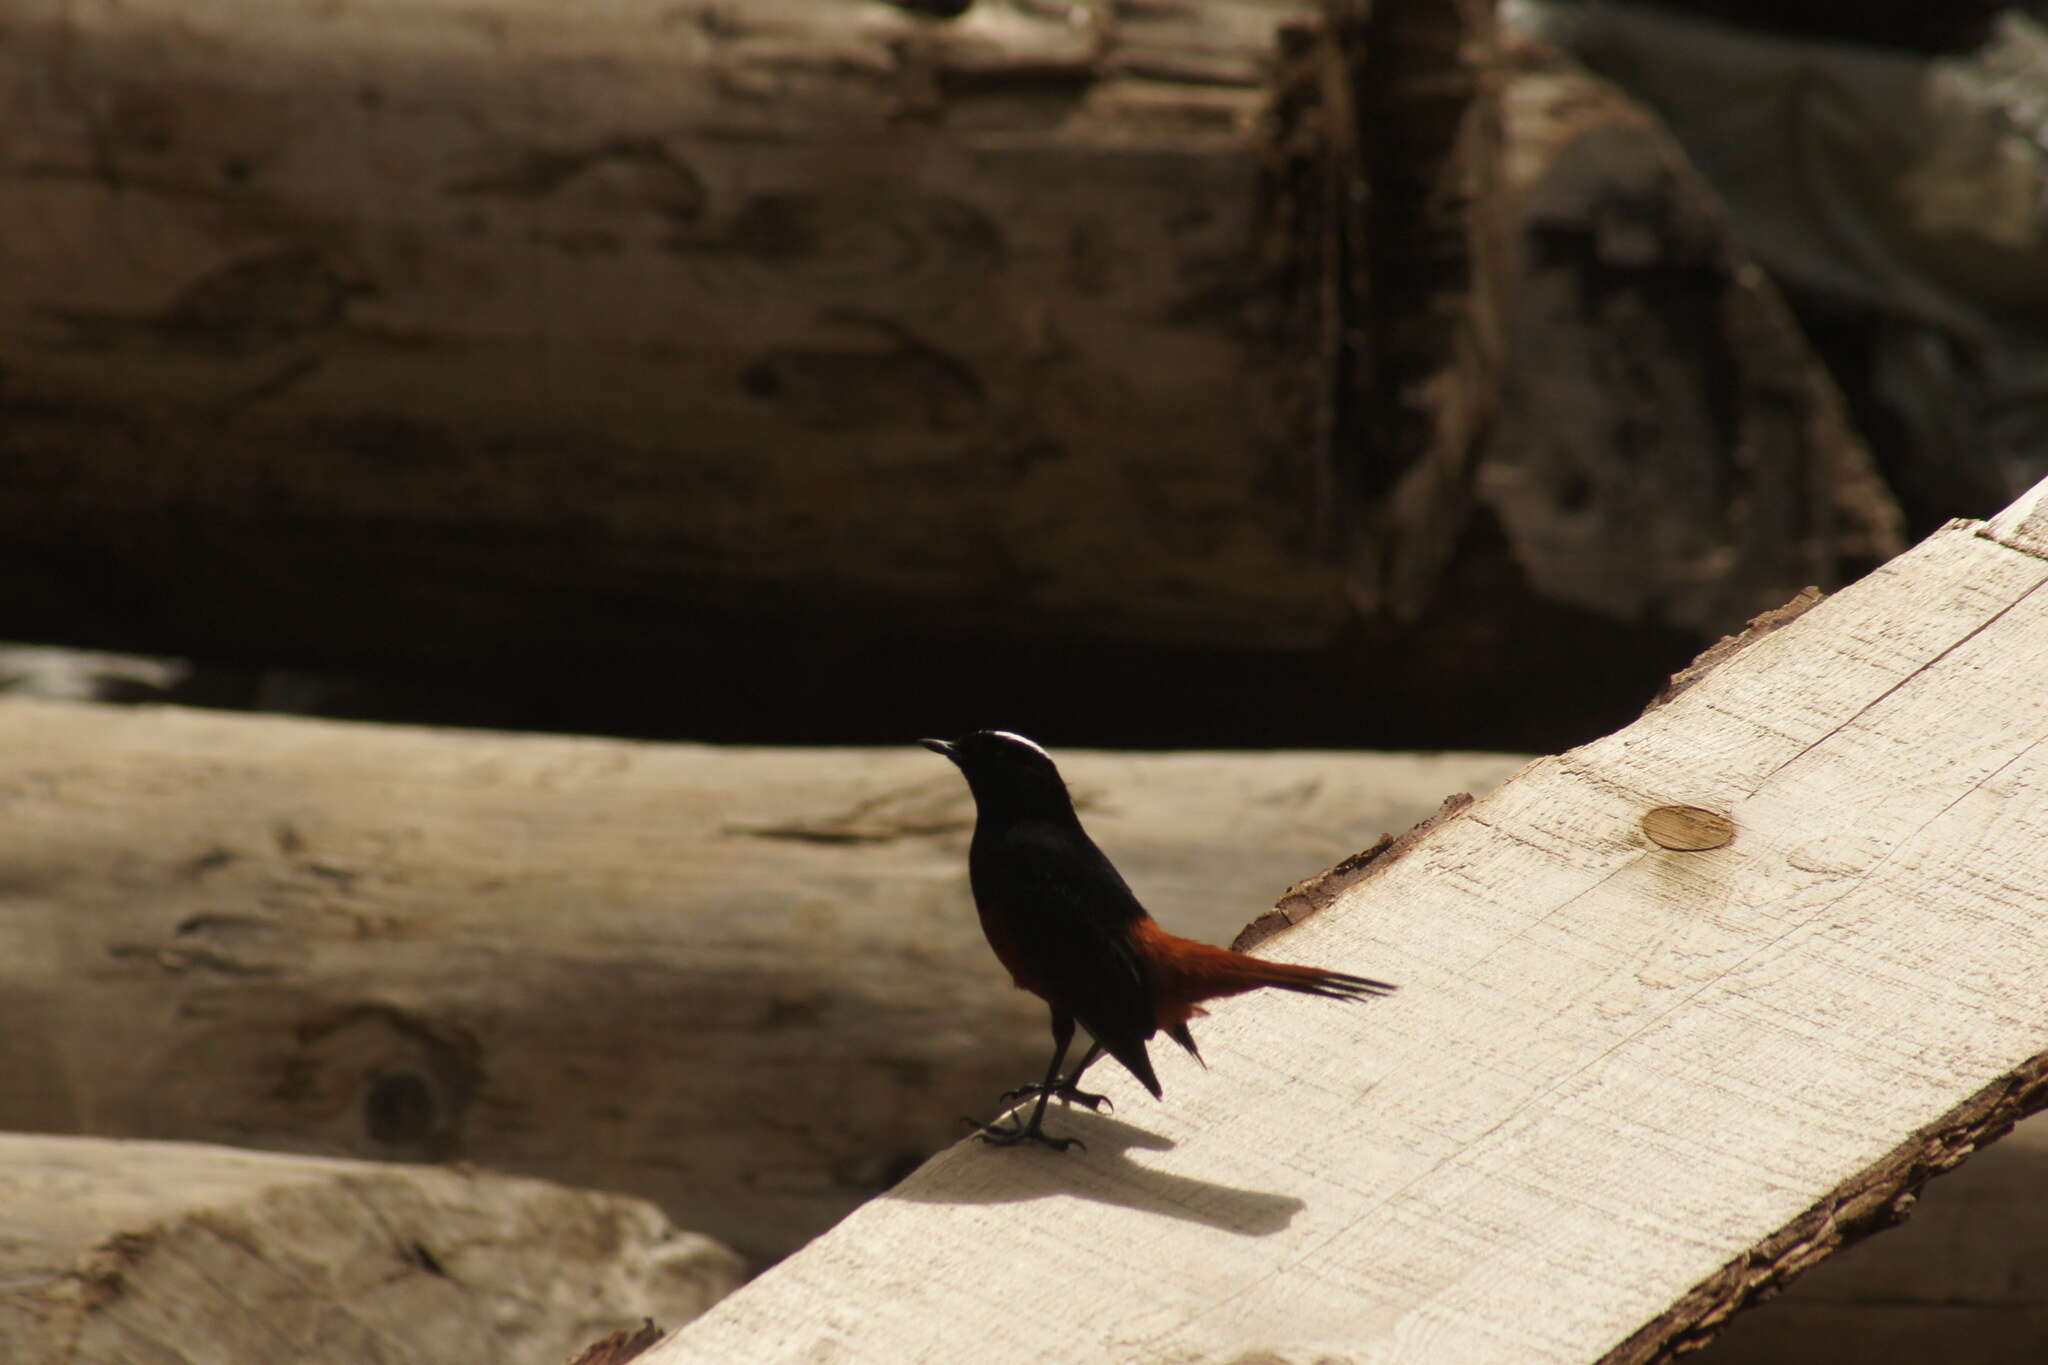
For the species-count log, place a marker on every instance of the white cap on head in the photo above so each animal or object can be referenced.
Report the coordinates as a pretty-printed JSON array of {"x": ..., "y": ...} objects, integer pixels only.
[{"x": 1016, "y": 738}]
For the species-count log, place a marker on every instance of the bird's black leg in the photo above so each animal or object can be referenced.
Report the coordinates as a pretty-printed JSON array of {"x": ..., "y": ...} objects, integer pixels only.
[
  {"x": 1067, "y": 1090},
  {"x": 1034, "y": 1131}
]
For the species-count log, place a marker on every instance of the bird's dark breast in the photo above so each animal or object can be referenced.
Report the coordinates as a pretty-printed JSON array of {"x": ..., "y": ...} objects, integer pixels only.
[{"x": 996, "y": 927}]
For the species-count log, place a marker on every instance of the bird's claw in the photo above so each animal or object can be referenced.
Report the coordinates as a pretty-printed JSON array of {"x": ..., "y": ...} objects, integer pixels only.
[
  {"x": 1065, "y": 1094},
  {"x": 995, "y": 1135}
]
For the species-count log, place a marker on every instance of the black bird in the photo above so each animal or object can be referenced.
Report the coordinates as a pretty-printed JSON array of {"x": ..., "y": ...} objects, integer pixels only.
[{"x": 1061, "y": 919}]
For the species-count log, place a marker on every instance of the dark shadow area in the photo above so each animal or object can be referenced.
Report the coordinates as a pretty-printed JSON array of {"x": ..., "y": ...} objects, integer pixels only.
[
  {"x": 1105, "y": 1173},
  {"x": 1491, "y": 665},
  {"x": 1911, "y": 25}
]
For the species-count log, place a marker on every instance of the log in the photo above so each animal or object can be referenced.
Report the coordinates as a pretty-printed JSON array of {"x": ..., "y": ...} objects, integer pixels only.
[
  {"x": 173, "y": 1252},
  {"x": 1628, "y": 1087},
  {"x": 1388, "y": 119},
  {"x": 716, "y": 350},
  {"x": 745, "y": 984},
  {"x": 796, "y": 309},
  {"x": 1912, "y": 247},
  {"x": 1663, "y": 421}
]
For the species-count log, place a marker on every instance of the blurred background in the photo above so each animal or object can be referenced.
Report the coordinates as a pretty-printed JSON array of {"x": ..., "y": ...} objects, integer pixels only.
[
  {"x": 1319, "y": 376},
  {"x": 815, "y": 371}
]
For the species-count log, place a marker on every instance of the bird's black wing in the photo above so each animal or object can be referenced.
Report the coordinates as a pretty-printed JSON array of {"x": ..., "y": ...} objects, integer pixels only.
[{"x": 1068, "y": 915}]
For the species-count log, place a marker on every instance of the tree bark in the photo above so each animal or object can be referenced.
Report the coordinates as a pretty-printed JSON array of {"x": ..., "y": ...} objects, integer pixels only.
[{"x": 1964, "y": 1281}]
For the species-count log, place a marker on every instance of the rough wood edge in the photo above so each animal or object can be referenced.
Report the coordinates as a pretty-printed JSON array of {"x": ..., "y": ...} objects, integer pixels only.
[
  {"x": 1728, "y": 646},
  {"x": 1311, "y": 895},
  {"x": 621, "y": 1346},
  {"x": 2023, "y": 526},
  {"x": 1875, "y": 1198}
]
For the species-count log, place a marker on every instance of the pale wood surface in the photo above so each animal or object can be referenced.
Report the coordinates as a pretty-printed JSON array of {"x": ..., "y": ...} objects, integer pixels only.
[
  {"x": 120, "y": 1253},
  {"x": 1623, "y": 1089},
  {"x": 747, "y": 984}
]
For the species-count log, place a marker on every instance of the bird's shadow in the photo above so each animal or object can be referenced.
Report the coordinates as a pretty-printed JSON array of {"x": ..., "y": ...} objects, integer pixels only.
[{"x": 973, "y": 1172}]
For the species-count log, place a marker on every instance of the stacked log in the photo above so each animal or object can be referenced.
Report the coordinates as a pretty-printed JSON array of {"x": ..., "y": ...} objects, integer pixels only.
[
  {"x": 697, "y": 331},
  {"x": 130, "y": 1251},
  {"x": 745, "y": 984}
]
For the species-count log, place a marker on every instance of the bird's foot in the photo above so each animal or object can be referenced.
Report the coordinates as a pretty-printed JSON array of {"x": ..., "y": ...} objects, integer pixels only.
[
  {"x": 1064, "y": 1092},
  {"x": 996, "y": 1135}
]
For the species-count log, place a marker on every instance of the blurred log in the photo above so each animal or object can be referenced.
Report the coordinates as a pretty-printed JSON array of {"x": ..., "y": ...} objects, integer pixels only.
[
  {"x": 794, "y": 333},
  {"x": 174, "y": 1253},
  {"x": 746, "y": 984},
  {"x": 1913, "y": 246},
  {"x": 793, "y": 309},
  {"x": 1670, "y": 452},
  {"x": 1389, "y": 116}
]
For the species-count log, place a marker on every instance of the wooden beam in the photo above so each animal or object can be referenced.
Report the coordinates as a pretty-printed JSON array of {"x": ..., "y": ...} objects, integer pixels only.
[{"x": 1626, "y": 1089}]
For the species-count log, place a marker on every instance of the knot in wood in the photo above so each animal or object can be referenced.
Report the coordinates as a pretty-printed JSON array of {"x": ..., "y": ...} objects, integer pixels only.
[{"x": 1688, "y": 829}]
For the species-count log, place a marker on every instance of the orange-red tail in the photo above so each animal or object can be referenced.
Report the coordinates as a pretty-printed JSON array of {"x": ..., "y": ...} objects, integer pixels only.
[{"x": 1185, "y": 973}]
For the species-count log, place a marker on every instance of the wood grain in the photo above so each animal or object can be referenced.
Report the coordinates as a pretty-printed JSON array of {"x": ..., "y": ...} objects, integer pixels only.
[{"x": 1623, "y": 1090}]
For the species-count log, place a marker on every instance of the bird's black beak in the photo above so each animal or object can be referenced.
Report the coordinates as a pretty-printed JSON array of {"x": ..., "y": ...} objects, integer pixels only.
[{"x": 938, "y": 746}]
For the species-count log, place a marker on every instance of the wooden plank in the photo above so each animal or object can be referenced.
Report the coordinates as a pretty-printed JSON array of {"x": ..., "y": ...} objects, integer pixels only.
[
  {"x": 1625, "y": 1088},
  {"x": 2024, "y": 525}
]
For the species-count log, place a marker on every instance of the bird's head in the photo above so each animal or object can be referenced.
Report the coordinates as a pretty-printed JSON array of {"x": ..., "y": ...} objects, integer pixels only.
[{"x": 1005, "y": 771}]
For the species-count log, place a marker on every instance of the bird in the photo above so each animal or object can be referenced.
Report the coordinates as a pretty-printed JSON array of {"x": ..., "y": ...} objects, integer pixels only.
[{"x": 1067, "y": 927}]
